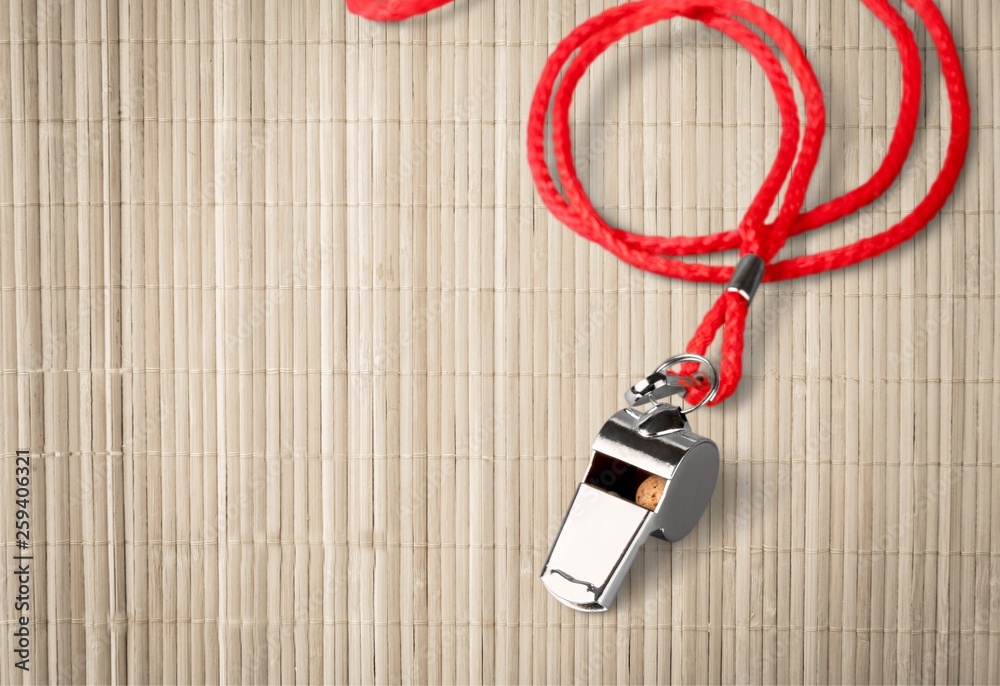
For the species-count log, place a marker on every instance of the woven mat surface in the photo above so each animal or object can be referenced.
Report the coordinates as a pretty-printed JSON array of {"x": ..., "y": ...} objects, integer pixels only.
[{"x": 308, "y": 375}]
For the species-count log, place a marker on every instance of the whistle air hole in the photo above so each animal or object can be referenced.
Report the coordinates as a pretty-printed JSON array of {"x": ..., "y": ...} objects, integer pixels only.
[{"x": 624, "y": 480}]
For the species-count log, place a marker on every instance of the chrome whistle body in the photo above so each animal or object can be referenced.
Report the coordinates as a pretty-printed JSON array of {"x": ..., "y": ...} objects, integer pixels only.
[{"x": 612, "y": 512}]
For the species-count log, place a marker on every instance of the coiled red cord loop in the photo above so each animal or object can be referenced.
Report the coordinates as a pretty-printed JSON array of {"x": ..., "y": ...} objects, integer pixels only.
[
  {"x": 793, "y": 165},
  {"x": 794, "y": 162}
]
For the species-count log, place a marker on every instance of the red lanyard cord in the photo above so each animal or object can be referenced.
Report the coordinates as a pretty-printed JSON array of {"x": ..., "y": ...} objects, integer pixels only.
[
  {"x": 753, "y": 236},
  {"x": 794, "y": 162},
  {"x": 392, "y": 10}
]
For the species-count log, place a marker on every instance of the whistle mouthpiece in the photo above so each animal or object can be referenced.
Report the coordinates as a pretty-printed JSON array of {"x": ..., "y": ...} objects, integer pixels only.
[{"x": 649, "y": 474}]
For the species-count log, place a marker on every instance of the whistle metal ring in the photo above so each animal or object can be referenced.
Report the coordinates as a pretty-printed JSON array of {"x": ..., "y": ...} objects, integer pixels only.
[{"x": 662, "y": 384}]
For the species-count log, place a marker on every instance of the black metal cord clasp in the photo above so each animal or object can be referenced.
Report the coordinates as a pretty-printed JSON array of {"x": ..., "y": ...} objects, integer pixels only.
[{"x": 747, "y": 276}]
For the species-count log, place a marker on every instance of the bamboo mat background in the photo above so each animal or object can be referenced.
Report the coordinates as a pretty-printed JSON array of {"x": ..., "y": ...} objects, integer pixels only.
[{"x": 308, "y": 374}]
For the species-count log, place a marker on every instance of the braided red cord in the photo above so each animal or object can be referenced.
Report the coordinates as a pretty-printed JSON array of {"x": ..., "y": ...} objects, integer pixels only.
[
  {"x": 794, "y": 163},
  {"x": 753, "y": 236},
  {"x": 392, "y": 10}
]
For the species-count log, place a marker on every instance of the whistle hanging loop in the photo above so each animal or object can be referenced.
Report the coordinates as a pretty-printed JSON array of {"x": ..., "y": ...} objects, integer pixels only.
[{"x": 663, "y": 383}]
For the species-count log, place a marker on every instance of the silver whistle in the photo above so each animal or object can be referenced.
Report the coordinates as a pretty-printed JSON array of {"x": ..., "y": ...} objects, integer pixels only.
[{"x": 649, "y": 474}]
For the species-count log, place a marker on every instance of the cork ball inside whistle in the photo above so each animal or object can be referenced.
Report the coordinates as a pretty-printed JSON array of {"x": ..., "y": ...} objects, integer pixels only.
[{"x": 650, "y": 491}]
